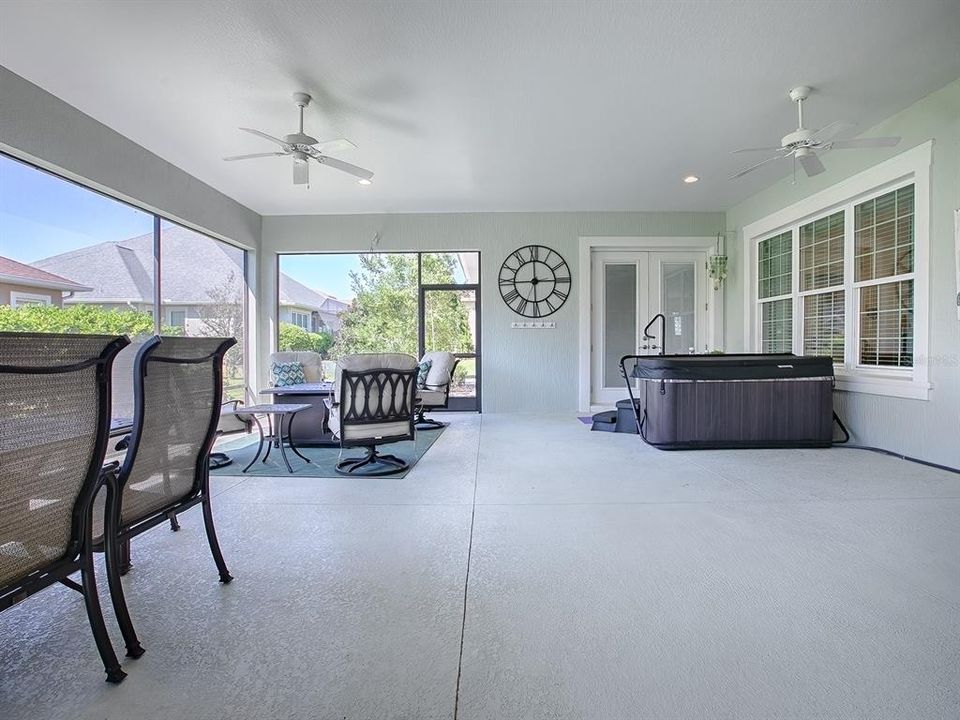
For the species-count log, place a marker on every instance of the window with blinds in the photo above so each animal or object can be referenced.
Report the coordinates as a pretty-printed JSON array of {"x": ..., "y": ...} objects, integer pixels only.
[
  {"x": 775, "y": 281},
  {"x": 884, "y": 244},
  {"x": 823, "y": 321},
  {"x": 821, "y": 273},
  {"x": 857, "y": 261},
  {"x": 821, "y": 253},
  {"x": 776, "y": 326}
]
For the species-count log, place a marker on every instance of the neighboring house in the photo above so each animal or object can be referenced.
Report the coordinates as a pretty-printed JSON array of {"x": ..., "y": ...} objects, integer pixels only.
[
  {"x": 27, "y": 285},
  {"x": 197, "y": 274},
  {"x": 310, "y": 309}
]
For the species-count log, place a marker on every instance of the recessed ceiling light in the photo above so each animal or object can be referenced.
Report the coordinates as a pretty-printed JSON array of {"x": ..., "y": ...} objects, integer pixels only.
[
  {"x": 365, "y": 182},
  {"x": 690, "y": 179}
]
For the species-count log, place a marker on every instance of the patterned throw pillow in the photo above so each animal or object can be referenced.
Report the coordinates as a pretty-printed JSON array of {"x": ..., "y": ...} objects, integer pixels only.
[
  {"x": 423, "y": 369},
  {"x": 287, "y": 373}
]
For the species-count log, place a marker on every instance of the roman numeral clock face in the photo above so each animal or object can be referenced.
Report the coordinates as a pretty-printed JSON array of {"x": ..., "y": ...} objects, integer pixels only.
[{"x": 534, "y": 281}]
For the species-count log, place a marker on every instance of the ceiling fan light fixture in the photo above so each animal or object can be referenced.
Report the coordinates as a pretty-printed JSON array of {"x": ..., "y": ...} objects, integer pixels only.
[{"x": 690, "y": 179}]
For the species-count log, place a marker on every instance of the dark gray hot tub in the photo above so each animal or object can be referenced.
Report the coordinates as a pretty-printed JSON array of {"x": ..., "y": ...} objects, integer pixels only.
[{"x": 732, "y": 401}]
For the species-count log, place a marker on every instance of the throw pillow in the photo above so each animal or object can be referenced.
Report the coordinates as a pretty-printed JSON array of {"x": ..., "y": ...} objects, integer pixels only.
[
  {"x": 287, "y": 373},
  {"x": 423, "y": 369}
]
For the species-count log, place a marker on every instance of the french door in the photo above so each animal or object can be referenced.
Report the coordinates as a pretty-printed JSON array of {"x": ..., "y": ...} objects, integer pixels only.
[{"x": 629, "y": 289}]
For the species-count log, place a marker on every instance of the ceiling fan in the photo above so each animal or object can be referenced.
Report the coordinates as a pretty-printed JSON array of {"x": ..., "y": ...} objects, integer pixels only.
[
  {"x": 804, "y": 144},
  {"x": 303, "y": 148}
]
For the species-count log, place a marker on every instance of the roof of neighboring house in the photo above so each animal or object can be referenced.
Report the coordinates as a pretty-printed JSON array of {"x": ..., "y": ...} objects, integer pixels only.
[
  {"x": 194, "y": 266},
  {"x": 18, "y": 273},
  {"x": 296, "y": 294}
]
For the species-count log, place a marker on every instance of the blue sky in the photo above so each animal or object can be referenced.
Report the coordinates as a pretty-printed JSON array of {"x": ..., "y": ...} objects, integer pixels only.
[
  {"x": 42, "y": 215},
  {"x": 329, "y": 273}
]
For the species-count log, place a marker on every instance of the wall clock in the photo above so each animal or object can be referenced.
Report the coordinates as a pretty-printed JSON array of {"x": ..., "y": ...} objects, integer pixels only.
[{"x": 534, "y": 281}]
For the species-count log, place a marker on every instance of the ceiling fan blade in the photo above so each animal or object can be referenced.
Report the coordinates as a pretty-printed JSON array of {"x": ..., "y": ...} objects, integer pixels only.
[
  {"x": 357, "y": 172},
  {"x": 831, "y": 130},
  {"x": 335, "y": 144},
  {"x": 864, "y": 143},
  {"x": 254, "y": 155},
  {"x": 301, "y": 172},
  {"x": 762, "y": 162},
  {"x": 271, "y": 138},
  {"x": 763, "y": 149},
  {"x": 811, "y": 164}
]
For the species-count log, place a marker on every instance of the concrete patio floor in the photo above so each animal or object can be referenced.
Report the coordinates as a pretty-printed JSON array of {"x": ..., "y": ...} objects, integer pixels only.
[{"x": 526, "y": 569}]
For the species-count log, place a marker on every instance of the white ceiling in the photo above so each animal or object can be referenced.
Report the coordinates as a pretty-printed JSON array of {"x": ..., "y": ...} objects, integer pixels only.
[{"x": 482, "y": 106}]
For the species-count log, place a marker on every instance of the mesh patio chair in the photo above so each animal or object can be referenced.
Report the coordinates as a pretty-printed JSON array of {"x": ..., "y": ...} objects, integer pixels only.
[
  {"x": 177, "y": 390},
  {"x": 373, "y": 404},
  {"x": 54, "y": 426}
]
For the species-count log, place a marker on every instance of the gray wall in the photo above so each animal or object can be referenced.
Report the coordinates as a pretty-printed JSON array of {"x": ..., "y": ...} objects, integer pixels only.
[
  {"x": 930, "y": 429},
  {"x": 39, "y": 127},
  {"x": 523, "y": 370}
]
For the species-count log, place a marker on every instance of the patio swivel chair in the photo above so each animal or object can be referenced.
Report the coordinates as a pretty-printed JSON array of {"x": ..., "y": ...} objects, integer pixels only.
[
  {"x": 54, "y": 425},
  {"x": 177, "y": 391},
  {"x": 373, "y": 405},
  {"x": 435, "y": 392}
]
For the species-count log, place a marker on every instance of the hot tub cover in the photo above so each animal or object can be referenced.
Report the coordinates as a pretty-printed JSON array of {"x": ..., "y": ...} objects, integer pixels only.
[{"x": 731, "y": 367}]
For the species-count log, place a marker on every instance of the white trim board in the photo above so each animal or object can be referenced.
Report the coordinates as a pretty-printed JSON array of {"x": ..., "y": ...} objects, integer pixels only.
[
  {"x": 586, "y": 246},
  {"x": 912, "y": 164}
]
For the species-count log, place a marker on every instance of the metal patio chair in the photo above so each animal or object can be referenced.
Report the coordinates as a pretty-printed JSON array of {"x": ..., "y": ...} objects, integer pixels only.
[
  {"x": 54, "y": 427},
  {"x": 177, "y": 390},
  {"x": 435, "y": 394},
  {"x": 372, "y": 405}
]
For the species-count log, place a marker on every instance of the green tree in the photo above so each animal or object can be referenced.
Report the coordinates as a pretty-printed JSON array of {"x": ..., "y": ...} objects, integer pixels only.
[
  {"x": 294, "y": 337},
  {"x": 383, "y": 315}
]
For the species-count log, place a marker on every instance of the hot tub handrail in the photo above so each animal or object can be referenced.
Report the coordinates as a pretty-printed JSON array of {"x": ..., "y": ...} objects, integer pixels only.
[
  {"x": 663, "y": 331},
  {"x": 633, "y": 402}
]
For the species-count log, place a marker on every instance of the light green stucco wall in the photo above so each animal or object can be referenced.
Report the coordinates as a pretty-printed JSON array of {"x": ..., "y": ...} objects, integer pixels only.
[
  {"x": 930, "y": 429},
  {"x": 523, "y": 371}
]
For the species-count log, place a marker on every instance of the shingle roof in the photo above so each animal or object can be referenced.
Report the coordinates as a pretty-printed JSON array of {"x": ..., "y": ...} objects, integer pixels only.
[
  {"x": 21, "y": 274},
  {"x": 193, "y": 266}
]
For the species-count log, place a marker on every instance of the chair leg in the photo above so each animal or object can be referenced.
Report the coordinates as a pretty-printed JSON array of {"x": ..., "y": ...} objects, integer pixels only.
[
  {"x": 117, "y": 556},
  {"x": 351, "y": 466},
  {"x": 225, "y": 576},
  {"x": 95, "y": 615},
  {"x": 426, "y": 422},
  {"x": 113, "y": 559}
]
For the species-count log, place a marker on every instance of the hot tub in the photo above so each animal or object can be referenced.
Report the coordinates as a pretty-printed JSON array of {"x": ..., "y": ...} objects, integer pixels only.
[{"x": 732, "y": 401}]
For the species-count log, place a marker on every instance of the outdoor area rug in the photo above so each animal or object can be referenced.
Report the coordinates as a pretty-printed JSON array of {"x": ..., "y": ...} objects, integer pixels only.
[{"x": 323, "y": 460}]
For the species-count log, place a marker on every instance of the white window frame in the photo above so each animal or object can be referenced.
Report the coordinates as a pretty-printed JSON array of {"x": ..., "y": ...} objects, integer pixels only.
[
  {"x": 294, "y": 314},
  {"x": 21, "y": 299},
  {"x": 912, "y": 166},
  {"x": 171, "y": 323}
]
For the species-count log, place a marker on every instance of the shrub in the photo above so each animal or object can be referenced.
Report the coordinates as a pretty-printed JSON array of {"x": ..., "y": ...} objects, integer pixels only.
[{"x": 294, "y": 337}]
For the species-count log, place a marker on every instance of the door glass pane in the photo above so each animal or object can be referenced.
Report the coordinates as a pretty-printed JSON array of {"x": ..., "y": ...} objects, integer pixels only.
[
  {"x": 678, "y": 303},
  {"x": 450, "y": 324},
  {"x": 619, "y": 319}
]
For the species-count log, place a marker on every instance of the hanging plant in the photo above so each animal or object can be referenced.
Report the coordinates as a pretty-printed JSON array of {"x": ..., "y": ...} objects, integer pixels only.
[{"x": 717, "y": 265}]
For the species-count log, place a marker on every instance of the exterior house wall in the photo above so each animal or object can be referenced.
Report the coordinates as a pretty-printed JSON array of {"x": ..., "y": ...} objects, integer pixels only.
[{"x": 55, "y": 296}]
